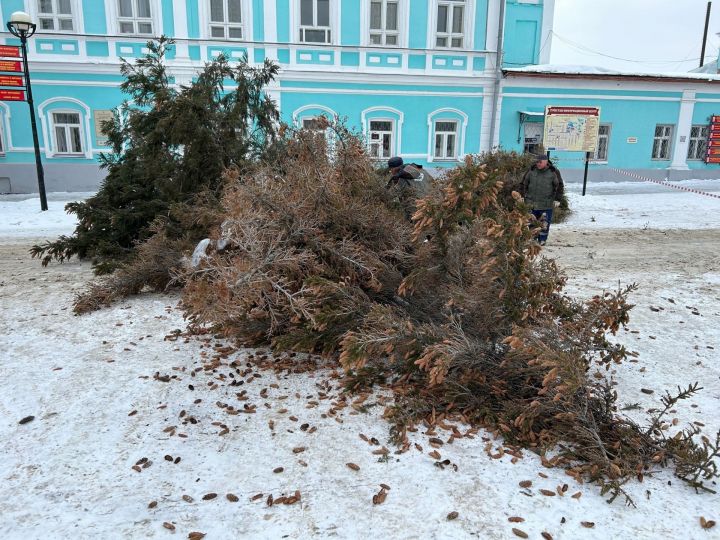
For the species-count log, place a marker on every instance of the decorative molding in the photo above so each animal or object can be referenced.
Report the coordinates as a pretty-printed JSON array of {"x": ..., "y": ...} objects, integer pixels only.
[
  {"x": 5, "y": 132},
  {"x": 48, "y": 135},
  {"x": 431, "y": 119},
  {"x": 397, "y": 122},
  {"x": 298, "y": 113}
]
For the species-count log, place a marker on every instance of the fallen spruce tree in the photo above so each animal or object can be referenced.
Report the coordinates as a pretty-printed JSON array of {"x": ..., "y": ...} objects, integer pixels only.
[
  {"x": 169, "y": 145},
  {"x": 455, "y": 311}
]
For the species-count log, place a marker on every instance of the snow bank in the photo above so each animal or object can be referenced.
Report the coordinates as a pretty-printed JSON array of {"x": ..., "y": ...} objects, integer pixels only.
[{"x": 21, "y": 217}]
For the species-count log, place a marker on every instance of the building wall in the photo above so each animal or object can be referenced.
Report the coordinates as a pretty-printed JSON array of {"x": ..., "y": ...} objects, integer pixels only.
[
  {"x": 632, "y": 108},
  {"x": 413, "y": 84},
  {"x": 77, "y": 72}
]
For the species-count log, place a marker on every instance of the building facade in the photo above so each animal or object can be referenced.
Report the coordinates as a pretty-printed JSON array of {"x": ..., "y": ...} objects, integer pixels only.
[
  {"x": 359, "y": 59},
  {"x": 430, "y": 80}
]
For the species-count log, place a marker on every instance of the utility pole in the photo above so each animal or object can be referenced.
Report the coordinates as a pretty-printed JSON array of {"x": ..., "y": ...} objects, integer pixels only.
[{"x": 704, "y": 41}]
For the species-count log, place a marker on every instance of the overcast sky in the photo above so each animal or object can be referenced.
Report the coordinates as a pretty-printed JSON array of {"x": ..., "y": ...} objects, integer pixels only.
[{"x": 655, "y": 35}]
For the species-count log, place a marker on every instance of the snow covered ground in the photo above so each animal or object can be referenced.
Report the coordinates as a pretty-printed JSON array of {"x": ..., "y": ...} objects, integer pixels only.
[{"x": 109, "y": 390}]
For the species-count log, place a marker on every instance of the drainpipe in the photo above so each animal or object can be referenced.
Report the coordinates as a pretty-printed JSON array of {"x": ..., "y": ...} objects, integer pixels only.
[{"x": 498, "y": 73}]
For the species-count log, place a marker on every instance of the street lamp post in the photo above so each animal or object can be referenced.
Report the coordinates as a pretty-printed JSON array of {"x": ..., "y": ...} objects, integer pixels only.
[{"x": 21, "y": 26}]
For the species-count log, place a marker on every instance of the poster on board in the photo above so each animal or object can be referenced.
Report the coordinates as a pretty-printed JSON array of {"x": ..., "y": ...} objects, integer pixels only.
[{"x": 571, "y": 129}]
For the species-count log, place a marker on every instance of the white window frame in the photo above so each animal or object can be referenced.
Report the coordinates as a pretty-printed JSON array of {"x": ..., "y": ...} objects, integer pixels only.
[
  {"x": 333, "y": 28},
  {"x": 383, "y": 32},
  {"x": 3, "y": 146},
  {"x": 444, "y": 134},
  {"x": 53, "y": 136},
  {"x": 77, "y": 17},
  {"x": 393, "y": 130},
  {"x": 447, "y": 114},
  {"x": 55, "y": 16},
  {"x": 225, "y": 24},
  {"x": 468, "y": 25},
  {"x": 114, "y": 19},
  {"x": 699, "y": 139},
  {"x": 595, "y": 157},
  {"x": 669, "y": 135},
  {"x": 205, "y": 23},
  {"x": 403, "y": 25}
]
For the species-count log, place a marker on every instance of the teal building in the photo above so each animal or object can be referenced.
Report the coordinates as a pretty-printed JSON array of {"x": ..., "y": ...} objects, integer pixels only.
[{"x": 430, "y": 80}]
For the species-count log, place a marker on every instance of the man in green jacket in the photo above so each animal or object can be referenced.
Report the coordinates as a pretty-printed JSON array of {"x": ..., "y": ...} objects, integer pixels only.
[{"x": 542, "y": 187}]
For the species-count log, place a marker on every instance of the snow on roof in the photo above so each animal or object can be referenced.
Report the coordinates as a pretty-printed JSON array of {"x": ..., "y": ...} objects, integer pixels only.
[
  {"x": 710, "y": 67},
  {"x": 595, "y": 71}
]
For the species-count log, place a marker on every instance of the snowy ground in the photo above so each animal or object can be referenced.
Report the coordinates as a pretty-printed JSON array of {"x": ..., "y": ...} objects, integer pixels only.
[{"x": 99, "y": 408}]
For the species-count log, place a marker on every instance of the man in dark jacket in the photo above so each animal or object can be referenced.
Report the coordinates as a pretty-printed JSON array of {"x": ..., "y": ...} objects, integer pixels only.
[
  {"x": 410, "y": 181},
  {"x": 542, "y": 187}
]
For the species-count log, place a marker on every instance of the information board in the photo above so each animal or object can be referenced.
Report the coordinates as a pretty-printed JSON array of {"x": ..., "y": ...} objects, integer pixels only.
[
  {"x": 10, "y": 65},
  {"x": 571, "y": 129},
  {"x": 11, "y": 80},
  {"x": 9, "y": 51},
  {"x": 101, "y": 116},
  {"x": 12, "y": 95}
]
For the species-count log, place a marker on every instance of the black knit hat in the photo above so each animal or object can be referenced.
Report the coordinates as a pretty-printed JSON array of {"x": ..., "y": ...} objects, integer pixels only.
[{"x": 396, "y": 161}]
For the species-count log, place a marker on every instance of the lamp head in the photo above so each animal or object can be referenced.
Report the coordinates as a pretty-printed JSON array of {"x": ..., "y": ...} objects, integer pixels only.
[{"x": 21, "y": 24}]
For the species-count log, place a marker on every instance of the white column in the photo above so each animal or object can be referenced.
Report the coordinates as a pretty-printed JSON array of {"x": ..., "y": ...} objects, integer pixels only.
[
  {"x": 546, "y": 31},
  {"x": 182, "y": 54},
  {"x": 493, "y": 27},
  {"x": 270, "y": 26},
  {"x": 682, "y": 131}
]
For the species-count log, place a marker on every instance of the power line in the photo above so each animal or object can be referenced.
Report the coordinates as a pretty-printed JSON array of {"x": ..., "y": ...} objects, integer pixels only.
[{"x": 587, "y": 50}]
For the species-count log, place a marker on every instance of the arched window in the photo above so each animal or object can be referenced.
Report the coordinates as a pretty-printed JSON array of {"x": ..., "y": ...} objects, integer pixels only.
[
  {"x": 382, "y": 127},
  {"x": 446, "y": 135},
  {"x": 66, "y": 127}
]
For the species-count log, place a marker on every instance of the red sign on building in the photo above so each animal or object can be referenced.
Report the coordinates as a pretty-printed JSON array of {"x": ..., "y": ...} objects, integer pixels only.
[
  {"x": 8, "y": 65},
  {"x": 12, "y": 95},
  {"x": 11, "y": 80},
  {"x": 9, "y": 51}
]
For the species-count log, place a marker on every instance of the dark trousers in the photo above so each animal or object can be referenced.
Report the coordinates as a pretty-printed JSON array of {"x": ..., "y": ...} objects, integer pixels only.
[{"x": 544, "y": 218}]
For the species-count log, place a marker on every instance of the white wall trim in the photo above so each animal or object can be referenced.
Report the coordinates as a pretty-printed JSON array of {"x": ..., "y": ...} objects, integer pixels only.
[
  {"x": 398, "y": 122},
  {"x": 590, "y": 96},
  {"x": 271, "y": 29},
  {"x": 5, "y": 128},
  {"x": 48, "y": 136},
  {"x": 297, "y": 114},
  {"x": 354, "y": 91},
  {"x": 548, "y": 17}
]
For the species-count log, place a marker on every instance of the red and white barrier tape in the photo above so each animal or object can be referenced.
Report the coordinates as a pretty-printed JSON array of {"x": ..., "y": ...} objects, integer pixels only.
[{"x": 667, "y": 184}]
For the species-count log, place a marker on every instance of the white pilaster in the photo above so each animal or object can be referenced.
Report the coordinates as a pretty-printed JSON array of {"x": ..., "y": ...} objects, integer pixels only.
[
  {"x": 546, "y": 31},
  {"x": 181, "y": 31},
  {"x": 682, "y": 131},
  {"x": 270, "y": 26},
  {"x": 493, "y": 27}
]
